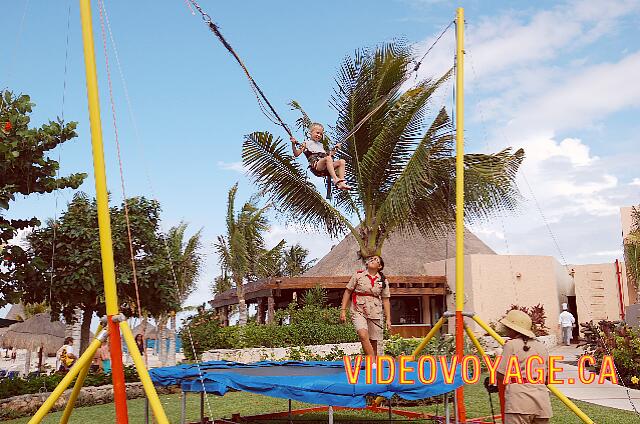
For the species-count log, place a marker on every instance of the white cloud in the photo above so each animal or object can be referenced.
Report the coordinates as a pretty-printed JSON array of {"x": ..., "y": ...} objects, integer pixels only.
[
  {"x": 232, "y": 166},
  {"x": 583, "y": 98},
  {"x": 635, "y": 182},
  {"x": 318, "y": 244}
]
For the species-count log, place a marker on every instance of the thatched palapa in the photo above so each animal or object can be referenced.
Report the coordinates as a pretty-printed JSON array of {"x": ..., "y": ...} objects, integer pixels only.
[{"x": 34, "y": 333}]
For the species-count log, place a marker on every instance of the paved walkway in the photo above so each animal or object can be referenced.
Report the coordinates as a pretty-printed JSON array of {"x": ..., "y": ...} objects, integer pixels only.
[{"x": 606, "y": 394}]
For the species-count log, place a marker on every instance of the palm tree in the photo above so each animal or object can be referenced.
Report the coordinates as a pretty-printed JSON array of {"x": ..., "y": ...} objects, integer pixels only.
[
  {"x": 186, "y": 264},
  {"x": 294, "y": 261},
  {"x": 401, "y": 166},
  {"x": 242, "y": 250}
]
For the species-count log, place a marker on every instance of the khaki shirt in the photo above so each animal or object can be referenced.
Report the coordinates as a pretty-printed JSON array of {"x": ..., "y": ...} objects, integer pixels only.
[
  {"x": 369, "y": 306},
  {"x": 526, "y": 398}
]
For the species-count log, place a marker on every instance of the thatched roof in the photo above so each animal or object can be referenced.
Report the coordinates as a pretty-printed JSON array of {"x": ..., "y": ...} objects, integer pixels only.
[
  {"x": 403, "y": 254},
  {"x": 35, "y": 332},
  {"x": 16, "y": 312},
  {"x": 151, "y": 332}
]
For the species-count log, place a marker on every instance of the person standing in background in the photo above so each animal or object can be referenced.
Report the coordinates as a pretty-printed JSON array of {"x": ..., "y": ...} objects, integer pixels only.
[{"x": 566, "y": 321}]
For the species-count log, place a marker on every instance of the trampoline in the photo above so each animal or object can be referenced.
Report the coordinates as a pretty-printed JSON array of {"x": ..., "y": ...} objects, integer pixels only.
[{"x": 319, "y": 382}]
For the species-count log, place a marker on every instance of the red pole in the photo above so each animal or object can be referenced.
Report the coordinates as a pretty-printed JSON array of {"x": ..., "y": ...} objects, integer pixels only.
[
  {"x": 462, "y": 411},
  {"x": 117, "y": 372}
]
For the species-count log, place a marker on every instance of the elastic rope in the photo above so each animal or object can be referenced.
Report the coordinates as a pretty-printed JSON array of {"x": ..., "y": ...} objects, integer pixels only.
[
  {"x": 117, "y": 141},
  {"x": 216, "y": 31},
  {"x": 64, "y": 93},
  {"x": 162, "y": 236}
]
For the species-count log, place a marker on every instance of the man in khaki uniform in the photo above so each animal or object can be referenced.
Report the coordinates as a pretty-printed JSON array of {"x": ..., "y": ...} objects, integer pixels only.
[
  {"x": 368, "y": 293},
  {"x": 526, "y": 403}
]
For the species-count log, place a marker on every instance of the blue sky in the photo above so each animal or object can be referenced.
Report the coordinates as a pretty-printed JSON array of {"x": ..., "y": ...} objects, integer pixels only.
[{"x": 557, "y": 78}]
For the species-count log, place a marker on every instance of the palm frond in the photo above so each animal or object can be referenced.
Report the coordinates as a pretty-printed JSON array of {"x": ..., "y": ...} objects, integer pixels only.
[
  {"x": 418, "y": 198},
  {"x": 363, "y": 82},
  {"x": 272, "y": 167},
  {"x": 489, "y": 182},
  {"x": 304, "y": 122},
  {"x": 396, "y": 142},
  {"x": 231, "y": 200}
]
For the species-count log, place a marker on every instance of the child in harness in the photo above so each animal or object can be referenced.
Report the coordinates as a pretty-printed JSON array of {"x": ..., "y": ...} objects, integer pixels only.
[{"x": 321, "y": 163}]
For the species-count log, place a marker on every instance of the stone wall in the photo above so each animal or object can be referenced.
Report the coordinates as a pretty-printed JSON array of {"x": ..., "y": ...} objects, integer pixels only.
[
  {"x": 24, "y": 405},
  {"x": 257, "y": 354}
]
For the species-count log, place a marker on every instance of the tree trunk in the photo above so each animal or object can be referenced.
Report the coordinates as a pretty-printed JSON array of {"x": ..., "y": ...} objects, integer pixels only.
[
  {"x": 172, "y": 341},
  {"x": 242, "y": 306},
  {"x": 85, "y": 330},
  {"x": 144, "y": 339},
  {"x": 27, "y": 362},
  {"x": 162, "y": 338},
  {"x": 40, "y": 355},
  {"x": 271, "y": 309}
]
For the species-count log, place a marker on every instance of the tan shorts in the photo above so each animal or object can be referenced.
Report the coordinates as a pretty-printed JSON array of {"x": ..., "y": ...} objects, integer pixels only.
[
  {"x": 373, "y": 326},
  {"x": 524, "y": 419}
]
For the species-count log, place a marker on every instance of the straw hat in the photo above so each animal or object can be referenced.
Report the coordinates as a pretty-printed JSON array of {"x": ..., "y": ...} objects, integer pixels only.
[{"x": 518, "y": 321}]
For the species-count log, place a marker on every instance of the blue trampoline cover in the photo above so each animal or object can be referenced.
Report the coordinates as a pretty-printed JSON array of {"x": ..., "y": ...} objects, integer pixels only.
[{"x": 322, "y": 383}]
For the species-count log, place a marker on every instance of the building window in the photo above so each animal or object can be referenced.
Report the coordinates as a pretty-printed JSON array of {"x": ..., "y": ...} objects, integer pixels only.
[{"x": 406, "y": 310}]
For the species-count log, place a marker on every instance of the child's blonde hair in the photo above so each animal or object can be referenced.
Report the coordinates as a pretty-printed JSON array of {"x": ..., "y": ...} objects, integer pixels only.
[{"x": 315, "y": 124}]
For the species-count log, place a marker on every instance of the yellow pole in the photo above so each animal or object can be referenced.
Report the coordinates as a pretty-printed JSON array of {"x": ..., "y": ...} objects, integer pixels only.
[
  {"x": 149, "y": 389},
  {"x": 572, "y": 406},
  {"x": 459, "y": 160},
  {"x": 104, "y": 225},
  {"x": 460, "y": 203},
  {"x": 488, "y": 329},
  {"x": 429, "y": 336},
  {"x": 76, "y": 388},
  {"x": 106, "y": 250},
  {"x": 83, "y": 361},
  {"x": 474, "y": 340}
]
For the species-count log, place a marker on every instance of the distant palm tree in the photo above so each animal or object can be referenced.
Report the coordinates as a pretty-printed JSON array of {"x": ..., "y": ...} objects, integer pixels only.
[
  {"x": 294, "y": 261},
  {"x": 186, "y": 263},
  {"x": 242, "y": 249},
  {"x": 401, "y": 166}
]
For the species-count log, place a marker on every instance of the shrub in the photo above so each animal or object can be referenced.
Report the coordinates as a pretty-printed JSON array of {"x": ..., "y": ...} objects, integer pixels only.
[
  {"x": 46, "y": 383},
  {"x": 538, "y": 319},
  {"x": 620, "y": 341},
  {"x": 309, "y": 325}
]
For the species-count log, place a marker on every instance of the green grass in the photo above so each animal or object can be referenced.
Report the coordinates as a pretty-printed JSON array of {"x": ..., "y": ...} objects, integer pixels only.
[{"x": 477, "y": 402}]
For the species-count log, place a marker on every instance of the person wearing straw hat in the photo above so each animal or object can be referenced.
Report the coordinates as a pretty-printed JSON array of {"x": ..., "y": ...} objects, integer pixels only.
[
  {"x": 526, "y": 402},
  {"x": 566, "y": 321}
]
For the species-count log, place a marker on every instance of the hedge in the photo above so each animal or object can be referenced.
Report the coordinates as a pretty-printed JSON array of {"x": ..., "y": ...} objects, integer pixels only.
[
  {"x": 309, "y": 325},
  {"x": 46, "y": 383}
]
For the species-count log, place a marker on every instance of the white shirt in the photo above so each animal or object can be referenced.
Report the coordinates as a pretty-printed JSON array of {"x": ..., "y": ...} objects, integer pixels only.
[
  {"x": 566, "y": 319},
  {"x": 315, "y": 146}
]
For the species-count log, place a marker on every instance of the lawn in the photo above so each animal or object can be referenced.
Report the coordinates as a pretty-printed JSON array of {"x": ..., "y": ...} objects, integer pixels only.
[{"x": 248, "y": 404}]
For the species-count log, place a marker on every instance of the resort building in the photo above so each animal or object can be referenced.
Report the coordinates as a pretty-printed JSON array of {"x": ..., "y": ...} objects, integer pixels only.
[{"x": 421, "y": 272}]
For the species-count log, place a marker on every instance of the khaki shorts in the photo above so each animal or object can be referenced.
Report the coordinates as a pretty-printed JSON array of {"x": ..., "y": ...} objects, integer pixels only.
[
  {"x": 524, "y": 419},
  {"x": 373, "y": 326}
]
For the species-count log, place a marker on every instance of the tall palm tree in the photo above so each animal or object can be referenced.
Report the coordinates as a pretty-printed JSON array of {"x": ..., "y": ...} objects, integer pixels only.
[
  {"x": 399, "y": 160},
  {"x": 242, "y": 250},
  {"x": 186, "y": 263}
]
